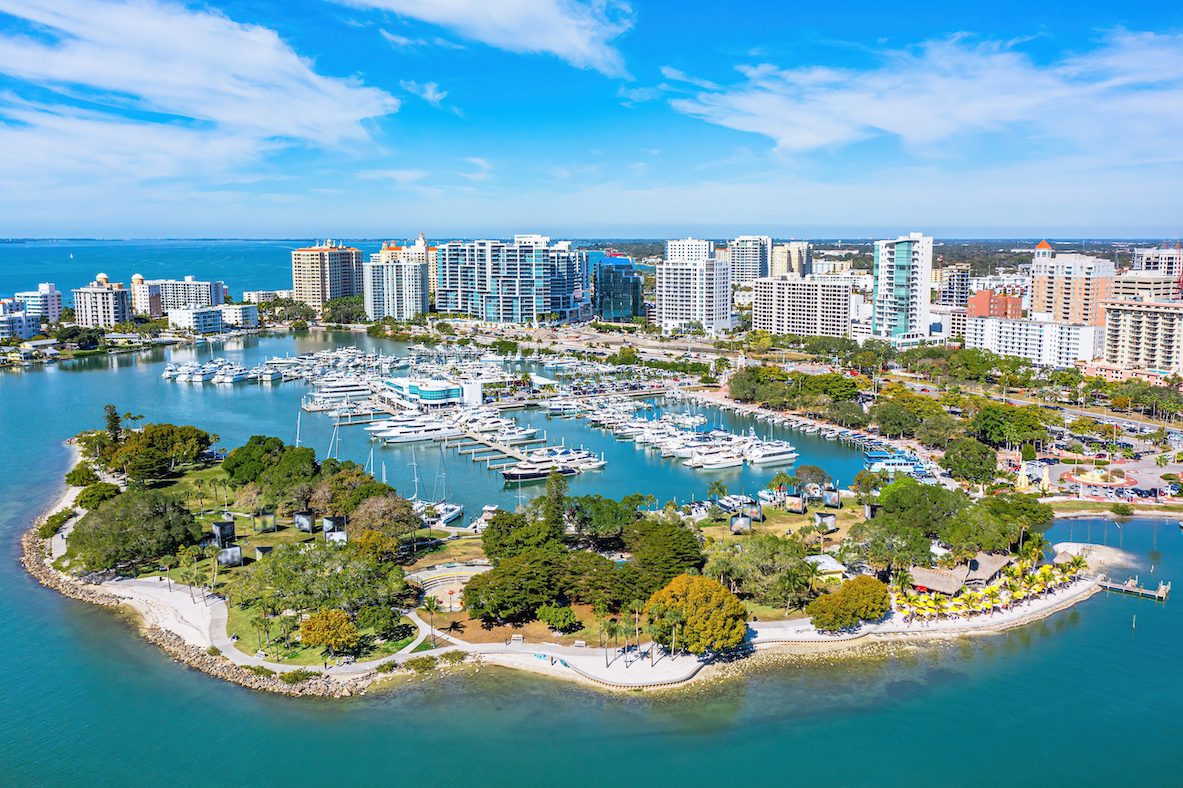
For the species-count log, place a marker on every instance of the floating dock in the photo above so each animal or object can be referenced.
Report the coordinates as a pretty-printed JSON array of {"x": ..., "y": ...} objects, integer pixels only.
[{"x": 1134, "y": 588}]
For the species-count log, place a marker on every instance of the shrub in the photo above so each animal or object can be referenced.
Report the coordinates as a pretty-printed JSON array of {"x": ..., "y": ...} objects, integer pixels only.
[
  {"x": 453, "y": 657},
  {"x": 1121, "y": 509},
  {"x": 388, "y": 667},
  {"x": 297, "y": 676},
  {"x": 424, "y": 664},
  {"x": 54, "y": 522},
  {"x": 81, "y": 475},
  {"x": 95, "y": 494},
  {"x": 260, "y": 670},
  {"x": 560, "y": 619},
  {"x": 214, "y": 651},
  {"x": 862, "y": 599},
  {"x": 1028, "y": 452}
]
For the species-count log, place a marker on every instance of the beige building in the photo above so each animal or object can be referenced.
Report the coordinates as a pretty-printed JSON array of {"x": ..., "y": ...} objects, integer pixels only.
[
  {"x": 791, "y": 305},
  {"x": 1145, "y": 335},
  {"x": 324, "y": 272},
  {"x": 794, "y": 257},
  {"x": 1069, "y": 288},
  {"x": 102, "y": 304},
  {"x": 418, "y": 252},
  {"x": 1145, "y": 286}
]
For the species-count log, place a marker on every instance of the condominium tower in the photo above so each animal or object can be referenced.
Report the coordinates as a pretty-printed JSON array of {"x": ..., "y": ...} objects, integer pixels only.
[
  {"x": 794, "y": 257},
  {"x": 693, "y": 294},
  {"x": 524, "y": 281},
  {"x": 750, "y": 258},
  {"x": 418, "y": 252},
  {"x": 791, "y": 305},
  {"x": 155, "y": 297},
  {"x": 326, "y": 271},
  {"x": 901, "y": 273},
  {"x": 1166, "y": 259},
  {"x": 1069, "y": 287},
  {"x": 44, "y": 303},
  {"x": 102, "y": 304},
  {"x": 1145, "y": 335},
  {"x": 394, "y": 287}
]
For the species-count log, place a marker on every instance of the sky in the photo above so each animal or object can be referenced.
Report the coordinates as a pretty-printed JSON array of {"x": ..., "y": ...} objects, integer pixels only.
[{"x": 586, "y": 118}]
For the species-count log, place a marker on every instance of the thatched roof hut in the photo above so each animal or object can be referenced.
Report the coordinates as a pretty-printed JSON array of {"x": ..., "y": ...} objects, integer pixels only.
[
  {"x": 943, "y": 581},
  {"x": 984, "y": 567}
]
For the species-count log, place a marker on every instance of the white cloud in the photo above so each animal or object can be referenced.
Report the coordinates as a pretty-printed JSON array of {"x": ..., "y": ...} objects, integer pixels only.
[
  {"x": 402, "y": 41},
  {"x": 145, "y": 89},
  {"x": 398, "y": 176},
  {"x": 577, "y": 31},
  {"x": 1124, "y": 98},
  {"x": 483, "y": 169},
  {"x": 428, "y": 91}
]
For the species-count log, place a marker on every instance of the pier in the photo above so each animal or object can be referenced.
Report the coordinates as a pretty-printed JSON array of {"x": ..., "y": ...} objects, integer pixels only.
[
  {"x": 1132, "y": 587},
  {"x": 481, "y": 447}
]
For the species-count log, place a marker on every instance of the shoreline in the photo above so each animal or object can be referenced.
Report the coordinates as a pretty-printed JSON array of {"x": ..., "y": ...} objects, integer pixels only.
[{"x": 158, "y": 621}]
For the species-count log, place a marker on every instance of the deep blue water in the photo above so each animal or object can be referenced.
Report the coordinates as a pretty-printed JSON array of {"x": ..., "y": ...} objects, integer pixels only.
[{"x": 1080, "y": 698}]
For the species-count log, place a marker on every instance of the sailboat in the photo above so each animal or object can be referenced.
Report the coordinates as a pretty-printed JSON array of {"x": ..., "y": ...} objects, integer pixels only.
[{"x": 445, "y": 511}]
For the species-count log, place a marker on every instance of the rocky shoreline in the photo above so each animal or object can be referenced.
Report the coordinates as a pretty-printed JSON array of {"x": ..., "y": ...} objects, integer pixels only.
[{"x": 35, "y": 559}]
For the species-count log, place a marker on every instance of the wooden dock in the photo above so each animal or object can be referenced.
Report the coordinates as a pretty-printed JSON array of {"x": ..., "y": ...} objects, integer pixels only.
[
  {"x": 480, "y": 447},
  {"x": 1134, "y": 588}
]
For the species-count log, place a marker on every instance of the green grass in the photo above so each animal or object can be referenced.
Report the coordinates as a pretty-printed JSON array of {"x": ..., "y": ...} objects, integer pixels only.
[
  {"x": 1105, "y": 506},
  {"x": 239, "y": 622},
  {"x": 759, "y": 612}
]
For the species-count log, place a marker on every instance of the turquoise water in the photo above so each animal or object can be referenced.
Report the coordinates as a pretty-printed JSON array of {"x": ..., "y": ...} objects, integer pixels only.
[{"x": 1081, "y": 698}]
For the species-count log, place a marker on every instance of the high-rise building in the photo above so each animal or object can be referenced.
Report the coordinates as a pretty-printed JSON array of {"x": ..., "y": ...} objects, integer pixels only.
[
  {"x": 263, "y": 296},
  {"x": 750, "y": 258},
  {"x": 418, "y": 252},
  {"x": 688, "y": 249},
  {"x": 198, "y": 319},
  {"x": 1145, "y": 335},
  {"x": 1069, "y": 287},
  {"x": 1043, "y": 343},
  {"x": 1165, "y": 259},
  {"x": 954, "y": 285},
  {"x": 988, "y": 303},
  {"x": 395, "y": 287},
  {"x": 326, "y": 271},
  {"x": 155, "y": 297},
  {"x": 15, "y": 323},
  {"x": 1145, "y": 286},
  {"x": 791, "y": 305},
  {"x": 524, "y": 281},
  {"x": 794, "y": 257},
  {"x": 901, "y": 272},
  {"x": 617, "y": 290},
  {"x": 693, "y": 293},
  {"x": 44, "y": 303},
  {"x": 102, "y": 304}
]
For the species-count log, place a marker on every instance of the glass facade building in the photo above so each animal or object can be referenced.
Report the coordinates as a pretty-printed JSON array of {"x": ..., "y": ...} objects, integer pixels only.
[{"x": 617, "y": 294}]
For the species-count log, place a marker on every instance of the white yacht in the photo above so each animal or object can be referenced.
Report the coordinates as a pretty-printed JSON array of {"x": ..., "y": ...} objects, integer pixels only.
[
  {"x": 432, "y": 430},
  {"x": 771, "y": 453}
]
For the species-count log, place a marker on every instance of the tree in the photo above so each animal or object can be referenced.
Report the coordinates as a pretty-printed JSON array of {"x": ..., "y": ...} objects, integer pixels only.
[
  {"x": 340, "y": 492},
  {"x": 559, "y": 618},
  {"x": 431, "y": 604},
  {"x": 713, "y": 618},
  {"x": 811, "y": 474},
  {"x": 81, "y": 475},
  {"x": 716, "y": 490},
  {"x": 937, "y": 429},
  {"x": 348, "y": 309},
  {"x": 519, "y": 584},
  {"x": 331, "y": 629},
  {"x": 389, "y": 514},
  {"x": 554, "y": 504},
  {"x": 136, "y": 526},
  {"x": 661, "y": 551},
  {"x": 95, "y": 494},
  {"x": 114, "y": 423},
  {"x": 970, "y": 460},
  {"x": 509, "y": 534},
  {"x": 862, "y": 599}
]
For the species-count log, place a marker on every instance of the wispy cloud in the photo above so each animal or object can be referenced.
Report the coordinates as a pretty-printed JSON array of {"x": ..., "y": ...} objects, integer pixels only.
[
  {"x": 398, "y": 176},
  {"x": 580, "y": 32},
  {"x": 142, "y": 90},
  {"x": 1124, "y": 98},
  {"x": 428, "y": 91},
  {"x": 407, "y": 42},
  {"x": 482, "y": 172}
]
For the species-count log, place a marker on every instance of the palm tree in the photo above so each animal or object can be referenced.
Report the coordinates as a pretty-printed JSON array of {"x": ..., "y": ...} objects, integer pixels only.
[
  {"x": 993, "y": 594},
  {"x": 431, "y": 604},
  {"x": 716, "y": 490},
  {"x": 1078, "y": 564},
  {"x": 211, "y": 552},
  {"x": 612, "y": 631},
  {"x": 1037, "y": 545},
  {"x": 901, "y": 581}
]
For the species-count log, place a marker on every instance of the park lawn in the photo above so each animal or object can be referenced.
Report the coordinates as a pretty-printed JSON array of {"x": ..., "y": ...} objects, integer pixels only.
[
  {"x": 466, "y": 548},
  {"x": 779, "y": 523},
  {"x": 759, "y": 612},
  {"x": 1107, "y": 506},
  {"x": 239, "y": 622}
]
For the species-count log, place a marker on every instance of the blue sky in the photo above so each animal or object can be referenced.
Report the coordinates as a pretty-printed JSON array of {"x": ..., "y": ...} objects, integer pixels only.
[{"x": 375, "y": 118}]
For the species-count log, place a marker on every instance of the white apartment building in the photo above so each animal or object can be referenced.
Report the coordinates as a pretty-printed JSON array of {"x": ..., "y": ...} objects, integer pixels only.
[
  {"x": 198, "y": 319},
  {"x": 155, "y": 297},
  {"x": 239, "y": 315},
  {"x": 794, "y": 257},
  {"x": 15, "y": 323},
  {"x": 693, "y": 293},
  {"x": 44, "y": 303},
  {"x": 1043, "y": 343},
  {"x": 1163, "y": 259},
  {"x": 395, "y": 288},
  {"x": 1145, "y": 335},
  {"x": 1145, "y": 286},
  {"x": 418, "y": 252},
  {"x": 326, "y": 271},
  {"x": 802, "y": 307},
  {"x": 831, "y": 265},
  {"x": 263, "y": 296},
  {"x": 751, "y": 256},
  {"x": 689, "y": 249},
  {"x": 101, "y": 304},
  {"x": 902, "y": 273}
]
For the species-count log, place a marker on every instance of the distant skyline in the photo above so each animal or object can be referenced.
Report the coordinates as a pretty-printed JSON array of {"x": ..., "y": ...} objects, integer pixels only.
[{"x": 590, "y": 118}]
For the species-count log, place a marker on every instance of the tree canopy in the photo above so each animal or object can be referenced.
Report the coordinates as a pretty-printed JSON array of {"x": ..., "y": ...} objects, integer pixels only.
[
  {"x": 133, "y": 527},
  {"x": 699, "y": 612}
]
